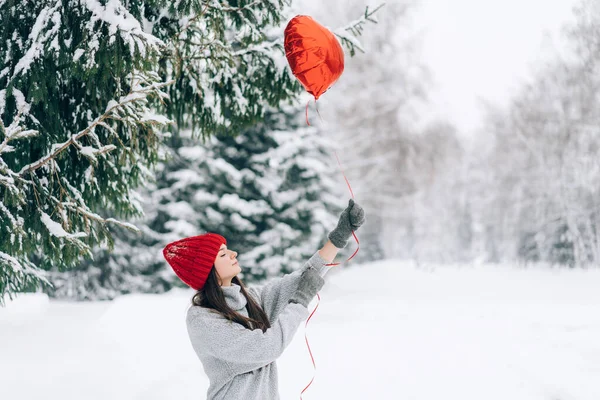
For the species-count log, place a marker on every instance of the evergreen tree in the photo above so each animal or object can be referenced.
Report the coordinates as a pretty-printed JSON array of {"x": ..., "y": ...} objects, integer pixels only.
[
  {"x": 267, "y": 190},
  {"x": 76, "y": 130}
]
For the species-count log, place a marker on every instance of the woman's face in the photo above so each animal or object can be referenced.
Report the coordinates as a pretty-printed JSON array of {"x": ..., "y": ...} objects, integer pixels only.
[{"x": 227, "y": 265}]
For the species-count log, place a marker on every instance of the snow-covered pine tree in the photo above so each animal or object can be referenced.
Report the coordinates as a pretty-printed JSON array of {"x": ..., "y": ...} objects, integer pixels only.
[
  {"x": 268, "y": 190},
  {"x": 76, "y": 130}
]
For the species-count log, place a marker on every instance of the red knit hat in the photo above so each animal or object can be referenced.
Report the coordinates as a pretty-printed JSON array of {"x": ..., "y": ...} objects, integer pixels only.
[{"x": 193, "y": 257}]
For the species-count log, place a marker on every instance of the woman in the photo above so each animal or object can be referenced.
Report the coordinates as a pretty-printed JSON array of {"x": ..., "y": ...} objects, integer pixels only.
[{"x": 238, "y": 333}]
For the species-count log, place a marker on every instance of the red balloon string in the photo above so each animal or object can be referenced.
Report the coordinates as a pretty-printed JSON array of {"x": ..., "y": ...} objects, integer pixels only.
[
  {"x": 317, "y": 107},
  {"x": 307, "y": 345},
  {"x": 347, "y": 183},
  {"x": 352, "y": 194},
  {"x": 307, "y": 123},
  {"x": 318, "y": 113},
  {"x": 329, "y": 265}
]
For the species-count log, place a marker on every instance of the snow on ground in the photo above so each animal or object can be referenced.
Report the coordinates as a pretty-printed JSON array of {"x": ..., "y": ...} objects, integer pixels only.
[{"x": 385, "y": 330}]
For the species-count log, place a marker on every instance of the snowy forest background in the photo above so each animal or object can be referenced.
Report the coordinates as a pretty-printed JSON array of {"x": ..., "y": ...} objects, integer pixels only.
[{"x": 126, "y": 125}]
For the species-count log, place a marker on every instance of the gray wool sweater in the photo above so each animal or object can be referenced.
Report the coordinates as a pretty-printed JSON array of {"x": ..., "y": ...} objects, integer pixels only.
[{"x": 240, "y": 363}]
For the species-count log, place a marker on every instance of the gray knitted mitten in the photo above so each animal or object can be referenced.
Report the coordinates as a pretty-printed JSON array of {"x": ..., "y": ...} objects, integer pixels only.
[
  {"x": 310, "y": 284},
  {"x": 350, "y": 220}
]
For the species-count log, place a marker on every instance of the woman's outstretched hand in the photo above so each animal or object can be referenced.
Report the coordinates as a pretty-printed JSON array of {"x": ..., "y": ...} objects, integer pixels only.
[{"x": 350, "y": 220}]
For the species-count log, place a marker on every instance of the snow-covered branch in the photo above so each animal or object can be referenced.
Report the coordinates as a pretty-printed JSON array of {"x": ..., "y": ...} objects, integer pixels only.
[
  {"x": 81, "y": 208},
  {"x": 14, "y": 132},
  {"x": 138, "y": 94},
  {"x": 349, "y": 33},
  {"x": 45, "y": 30},
  {"x": 19, "y": 270},
  {"x": 260, "y": 48},
  {"x": 220, "y": 7}
]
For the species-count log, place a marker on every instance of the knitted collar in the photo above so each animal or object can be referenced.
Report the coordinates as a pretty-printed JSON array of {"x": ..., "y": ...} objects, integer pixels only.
[{"x": 234, "y": 297}]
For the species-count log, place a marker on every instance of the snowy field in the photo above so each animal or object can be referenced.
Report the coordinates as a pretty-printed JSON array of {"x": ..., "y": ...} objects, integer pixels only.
[{"x": 382, "y": 331}]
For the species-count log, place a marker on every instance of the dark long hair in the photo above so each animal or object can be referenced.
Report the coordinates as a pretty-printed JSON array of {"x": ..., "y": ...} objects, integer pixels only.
[{"x": 211, "y": 296}]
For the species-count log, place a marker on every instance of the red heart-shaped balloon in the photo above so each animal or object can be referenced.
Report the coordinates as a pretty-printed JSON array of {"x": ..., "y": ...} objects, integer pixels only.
[{"x": 314, "y": 54}]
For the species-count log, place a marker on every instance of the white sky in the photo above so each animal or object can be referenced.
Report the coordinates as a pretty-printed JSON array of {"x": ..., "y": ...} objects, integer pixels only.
[{"x": 484, "y": 49}]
